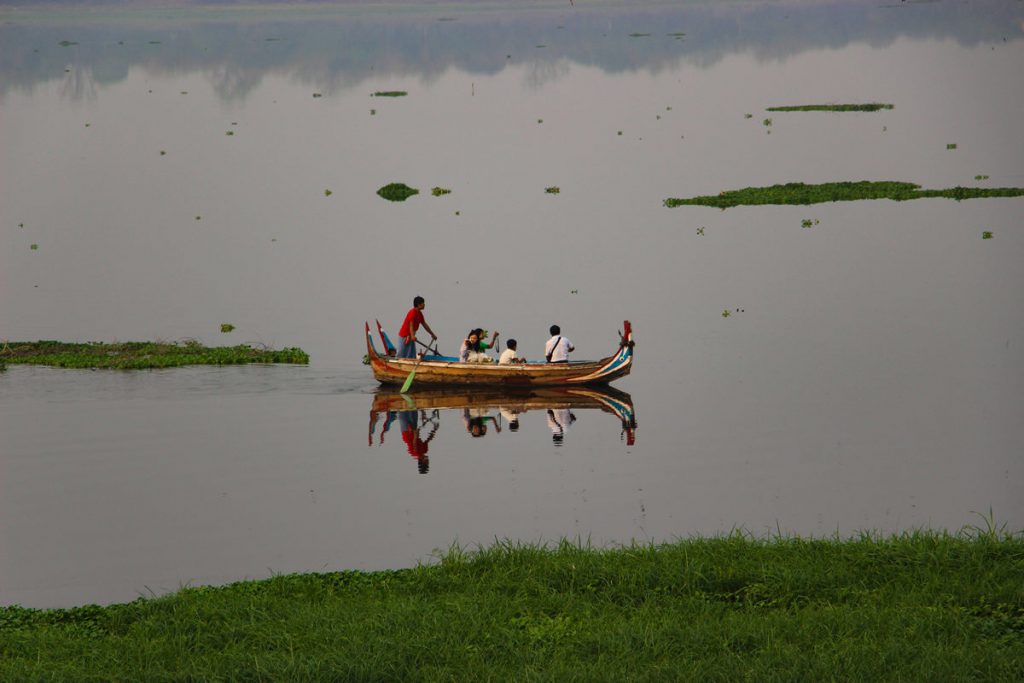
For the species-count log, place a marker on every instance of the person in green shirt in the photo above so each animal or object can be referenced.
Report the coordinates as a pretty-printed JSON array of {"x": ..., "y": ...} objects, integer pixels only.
[{"x": 474, "y": 348}]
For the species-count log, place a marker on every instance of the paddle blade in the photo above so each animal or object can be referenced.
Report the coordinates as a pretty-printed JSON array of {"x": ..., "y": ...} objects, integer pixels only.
[{"x": 408, "y": 382}]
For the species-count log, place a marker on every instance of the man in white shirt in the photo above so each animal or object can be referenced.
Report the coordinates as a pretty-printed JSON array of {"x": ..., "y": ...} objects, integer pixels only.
[
  {"x": 508, "y": 356},
  {"x": 557, "y": 349}
]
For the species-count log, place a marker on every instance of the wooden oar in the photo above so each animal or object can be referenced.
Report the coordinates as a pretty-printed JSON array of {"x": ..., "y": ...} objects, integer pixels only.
[{"x": 408, "y": 380}]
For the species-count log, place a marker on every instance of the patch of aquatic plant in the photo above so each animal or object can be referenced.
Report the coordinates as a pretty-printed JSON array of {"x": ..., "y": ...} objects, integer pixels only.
[
  {"x": 915, "y": 607},
  {"x": 67, "y": 43},
  {"x": 986, "y": 235},
  {"x": 767, "y": 123},
  {"x": 801, "y": 193},
  {"x": 981, "y": 177},
  {"x": 33, "y": 247},
  {"x": 438, "y": 191},
  {"x": 227, "y": 327},
  {"x": 390, "y": 93},
  {"x": 951, "y": 145},
  {"x": 873, "y": 106},
  {"x": 553, "y": 189},
  {"x": 140, "y": 355},
  {"x": 327, "y": 193},
  {"x": 808, "y": 222},
  {"x": 397, "y": 192},
  {"x": 639, "y": 35}
]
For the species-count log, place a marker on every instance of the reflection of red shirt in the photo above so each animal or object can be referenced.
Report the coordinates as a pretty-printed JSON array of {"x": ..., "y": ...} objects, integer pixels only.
[
  {"x": 413, "y": 320},
  {"x": 416, "y": 446}
]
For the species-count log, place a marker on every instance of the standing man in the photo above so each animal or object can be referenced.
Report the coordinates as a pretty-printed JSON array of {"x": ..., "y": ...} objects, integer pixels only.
[
  {"x": 412, "y": 322},
  {"x": 557, "y": 349}
]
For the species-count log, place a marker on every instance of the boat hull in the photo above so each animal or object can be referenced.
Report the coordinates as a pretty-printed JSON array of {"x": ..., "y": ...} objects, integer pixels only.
[{"x": 391, "y": 370}]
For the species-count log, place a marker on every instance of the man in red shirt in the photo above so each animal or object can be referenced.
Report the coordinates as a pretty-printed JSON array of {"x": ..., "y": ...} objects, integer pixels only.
[{"x": 412, "y": 322}]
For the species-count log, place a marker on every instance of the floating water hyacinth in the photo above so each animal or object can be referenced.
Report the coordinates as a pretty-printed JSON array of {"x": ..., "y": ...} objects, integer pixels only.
[
  {"x": 801, "y": 193},
  {"x": 397, "y": 192},
  {"x": 33, "y": 247},
  {"x": 986, "y": 235},
  {"x": 871, "y": 106},
  {"x": 726, "y": 313},
  {"x": 553, "y": 189},
  {"x": 327, "y": 193},
  {"x": 438, "y": 191},
  {"x": 981, "y": 177},
  {"x": 951, "y": 145},
  {"x": 226, "y": 327}
]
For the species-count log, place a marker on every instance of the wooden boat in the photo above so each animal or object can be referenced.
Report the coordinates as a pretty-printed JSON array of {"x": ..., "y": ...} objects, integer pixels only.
[
  {"x": 388, "y": 400},
  {"x": 437, "y": 370}
]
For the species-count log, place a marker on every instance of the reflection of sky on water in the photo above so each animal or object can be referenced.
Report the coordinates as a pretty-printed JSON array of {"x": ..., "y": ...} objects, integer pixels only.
[{"x": 337, "y": 49}]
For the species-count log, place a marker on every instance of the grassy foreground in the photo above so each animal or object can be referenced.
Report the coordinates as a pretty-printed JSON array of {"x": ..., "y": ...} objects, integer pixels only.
[
  {"x": 918, "y": 607},
  {"x": 140, "y": 355},
  {"x": 802, "y": 193}
]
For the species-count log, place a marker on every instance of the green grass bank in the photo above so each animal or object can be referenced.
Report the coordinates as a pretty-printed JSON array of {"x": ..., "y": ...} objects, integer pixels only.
[
  {"x": 802, "y": 193},
  {"x": 917, "y": 607},
  {"x": 140, "y": 355}
]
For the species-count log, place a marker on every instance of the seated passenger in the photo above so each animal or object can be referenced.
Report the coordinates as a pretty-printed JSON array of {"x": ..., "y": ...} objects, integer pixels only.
[
  {"x": 508, "y": 356},
  {"x": 474, "y": 348}
]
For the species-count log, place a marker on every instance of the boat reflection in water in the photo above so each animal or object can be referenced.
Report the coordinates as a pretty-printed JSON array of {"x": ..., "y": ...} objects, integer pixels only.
[{"x": 418, "y": 413}]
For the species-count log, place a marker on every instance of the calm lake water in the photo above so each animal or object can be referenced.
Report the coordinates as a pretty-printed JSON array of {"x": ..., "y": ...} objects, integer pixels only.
[{"x": 172, "y": 168}]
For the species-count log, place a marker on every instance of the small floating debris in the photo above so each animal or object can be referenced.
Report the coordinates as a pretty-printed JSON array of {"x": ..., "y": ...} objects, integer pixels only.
[
  {"x": 554, "y": 189},
  {"x": 986, "y": 235},
  {"x": 327, "y": 193},
  {"x": 540, "y": 120},
  {"x": 184, "y": 92},
  {"x": 438, "y": 191},
  {"x": 316, "y": 94},
  {"x": 87, "y": 125},
  {"x": 678, "y": 34},
  {"x": 700, "y": 231},
  {"x": 230, "y": 132},
  {"x": 871, "y": 106},
  {"x": 767, "y": 123},
  {"x": 620, "y": 132},
  {"x": 154, "y": 42},
  {"x": 748, "y": 116},
  {"x": 639, "y": 35},
  {"x": 390, "y": 93},
  {"x": 397, "y": 192},
  {"x": 226, "y": 327},
  {"x": 33, "y": 247},
  {"x": 67, "y": 43},
  {"x": 373, "y": 112},
  {"x": 163, "y": 152},
  {"x": 199, "y": 218}
]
